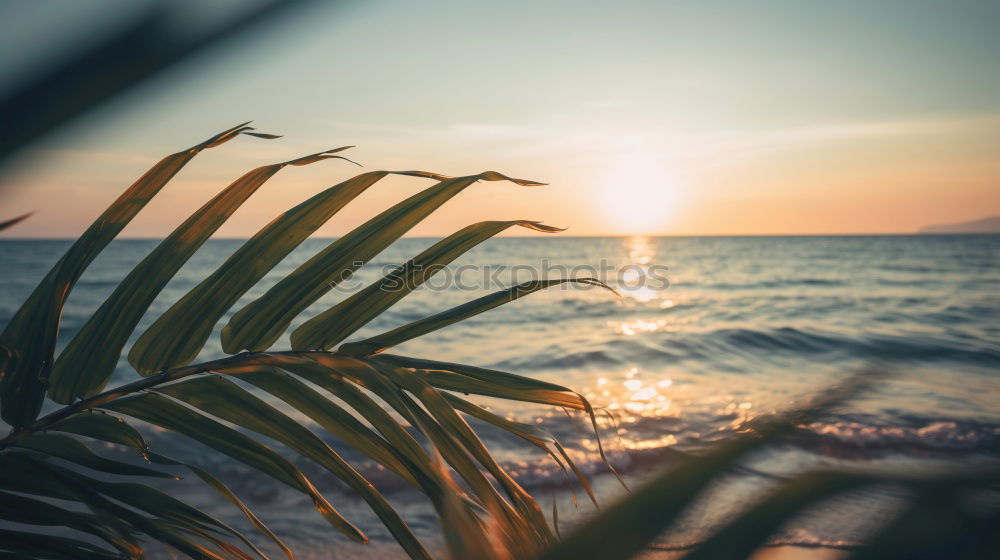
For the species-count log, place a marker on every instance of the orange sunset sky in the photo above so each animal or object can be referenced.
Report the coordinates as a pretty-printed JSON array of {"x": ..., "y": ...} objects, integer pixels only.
[{"x": 645, "y": 117}]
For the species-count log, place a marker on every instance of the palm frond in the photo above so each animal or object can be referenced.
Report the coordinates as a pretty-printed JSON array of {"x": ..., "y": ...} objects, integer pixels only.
[
  {"x": 163, "y": 412},
  {"x": 225, "y": 400},
  {"x": 380, "y": 342},
  {"x": 85, "y": 365},
  {"x": 332, "y": 326},
  {"x": 30, "y": 336},
  {"x": 403, "y": 413},
  {"x": 365, "y": 398},
  {"x": 177, "y": 336},
  {"x": 260, "y": 323},
  {"x": 14, "y": 221}
]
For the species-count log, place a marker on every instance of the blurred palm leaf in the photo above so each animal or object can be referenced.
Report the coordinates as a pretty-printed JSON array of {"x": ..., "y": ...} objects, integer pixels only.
[
  {"x": 30, "y": 336},
  {"x": 14, "y": 221},
  {"x": 626, "y": 528},
  {"x": 95, "y": 74}
]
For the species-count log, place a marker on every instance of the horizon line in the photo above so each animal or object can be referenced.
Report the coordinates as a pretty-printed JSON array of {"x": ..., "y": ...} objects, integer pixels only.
[{"x": 582, "y": 236}]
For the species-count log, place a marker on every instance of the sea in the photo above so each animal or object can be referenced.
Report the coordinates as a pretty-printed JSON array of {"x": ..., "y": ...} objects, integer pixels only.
[{"x": 709, "y": 333}]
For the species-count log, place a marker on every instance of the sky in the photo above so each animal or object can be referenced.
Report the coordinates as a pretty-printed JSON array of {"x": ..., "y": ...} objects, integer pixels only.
[{"x": 666, "y": 118}]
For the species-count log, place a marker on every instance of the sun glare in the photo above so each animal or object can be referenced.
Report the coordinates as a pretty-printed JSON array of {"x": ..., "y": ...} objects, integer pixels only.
[{"x": 640, "y": 195}]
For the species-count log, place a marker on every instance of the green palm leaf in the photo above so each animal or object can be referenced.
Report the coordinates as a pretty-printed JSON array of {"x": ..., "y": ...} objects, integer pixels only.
[
  {"x": 260, "y": 323},
  {"x": 173, "y": 522},
  {"x": 231, "y": 497},
  {"x": 453, "y": 449},
  {"x": 412, "y": 330},
  {"x": 335, "y": 381},
  {"x": 87, "y": 363},
  {"x": 104, "y": 427},
  {"x": 21, "y": 544},
  {"x": 31, "y": 511},
  {"x": 72, "y": 450},
  {"x": 459, "y": 431},
  {"x": 534, "y": 435},
  {"x": 337, "y": 323},
  {"x": 330, "y": 416},
  {"x": 172, "y": 416},
  {"x": 177, "y": 336},
  {"x": 225, "y": 400},
  {"x": 494, "y": 383},
  {"x": 489, "y": 382},
  {"x": 30, "y": 337}
]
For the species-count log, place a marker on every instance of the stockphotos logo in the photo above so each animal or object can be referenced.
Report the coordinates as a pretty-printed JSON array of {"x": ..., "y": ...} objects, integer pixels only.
[{"x": 476, "y": 277}]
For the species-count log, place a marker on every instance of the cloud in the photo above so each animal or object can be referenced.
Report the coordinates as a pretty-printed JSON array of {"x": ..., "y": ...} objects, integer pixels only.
[{"x": 577, "y": 132}]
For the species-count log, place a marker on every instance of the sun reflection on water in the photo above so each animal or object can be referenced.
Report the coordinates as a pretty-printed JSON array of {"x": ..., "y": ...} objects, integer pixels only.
[
  {"x": 640, "y": 250},
  {"x": 634, "y": 397},
  {"x": 639, "y": 325},
  {"x": 636, "y": 281},
  {"x": 646, "y": 397}
]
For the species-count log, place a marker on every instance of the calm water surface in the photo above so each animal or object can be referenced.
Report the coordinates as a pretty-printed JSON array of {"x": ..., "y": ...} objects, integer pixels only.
[{"x": 747, "y": 326}]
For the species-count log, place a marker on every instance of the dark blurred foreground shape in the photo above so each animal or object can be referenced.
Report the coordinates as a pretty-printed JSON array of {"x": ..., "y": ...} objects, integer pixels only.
[{"x": 116, "y": 62}]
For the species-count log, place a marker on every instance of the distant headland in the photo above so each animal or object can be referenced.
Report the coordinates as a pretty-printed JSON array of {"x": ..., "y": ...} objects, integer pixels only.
[{"x": 983, "y": 225}]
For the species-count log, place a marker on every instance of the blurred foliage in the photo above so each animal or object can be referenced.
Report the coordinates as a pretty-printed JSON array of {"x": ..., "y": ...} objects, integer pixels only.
[{"x": 114, "y": 62}]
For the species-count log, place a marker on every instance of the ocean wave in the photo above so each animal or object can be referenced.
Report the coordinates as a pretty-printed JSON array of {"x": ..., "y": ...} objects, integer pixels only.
[
  {"x": 941, "y": 435},
  {"x": 664, "y": 346},
  {"x": 903, "y": 348},
  {"x": 769, "y": 284}
]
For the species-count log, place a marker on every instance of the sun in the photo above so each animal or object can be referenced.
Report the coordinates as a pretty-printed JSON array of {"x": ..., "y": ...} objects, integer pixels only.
[{"x": 639, "y": 195}]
